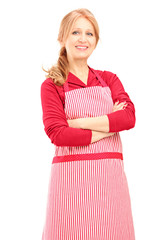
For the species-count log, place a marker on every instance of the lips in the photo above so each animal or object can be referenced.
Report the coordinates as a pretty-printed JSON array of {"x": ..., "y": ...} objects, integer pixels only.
[{"x": 81, "y": 47}]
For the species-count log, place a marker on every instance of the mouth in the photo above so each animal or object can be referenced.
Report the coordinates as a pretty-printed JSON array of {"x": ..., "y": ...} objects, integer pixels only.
[{"x": 82, "y": 48}]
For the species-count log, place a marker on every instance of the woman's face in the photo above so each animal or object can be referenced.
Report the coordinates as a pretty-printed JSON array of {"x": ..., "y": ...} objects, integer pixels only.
[{"x": 81, "y": 41}]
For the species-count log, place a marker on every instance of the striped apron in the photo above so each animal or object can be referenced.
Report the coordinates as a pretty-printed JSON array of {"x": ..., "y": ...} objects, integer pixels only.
[{"x": 88, "y": 195}]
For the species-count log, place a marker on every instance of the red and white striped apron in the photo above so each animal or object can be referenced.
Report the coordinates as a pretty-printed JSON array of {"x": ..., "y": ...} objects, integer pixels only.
[{"x": 88, "y": 195}]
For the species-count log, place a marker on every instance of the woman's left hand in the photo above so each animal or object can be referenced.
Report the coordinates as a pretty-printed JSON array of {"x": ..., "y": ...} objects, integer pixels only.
[{"x": 119, "y": 106}]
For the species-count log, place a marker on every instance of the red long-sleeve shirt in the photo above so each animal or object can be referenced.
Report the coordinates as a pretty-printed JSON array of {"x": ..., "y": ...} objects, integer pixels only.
[{"x": 54, "y": 118}]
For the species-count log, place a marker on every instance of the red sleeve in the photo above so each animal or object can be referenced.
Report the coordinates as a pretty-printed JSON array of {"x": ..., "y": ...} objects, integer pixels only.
[
  {"x": 55, "y": 122},
  {"x": 122, "y": 119}
]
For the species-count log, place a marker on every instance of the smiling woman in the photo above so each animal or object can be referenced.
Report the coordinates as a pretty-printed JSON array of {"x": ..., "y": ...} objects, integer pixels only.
[
  {"x": 83, "y": 112},
  {"x": 82, "y": 25},
  {"x": 79, "y": 40}
]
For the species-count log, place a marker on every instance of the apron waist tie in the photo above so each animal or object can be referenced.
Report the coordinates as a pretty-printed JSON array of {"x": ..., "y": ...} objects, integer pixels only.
[{"x": 89, "y": 156}]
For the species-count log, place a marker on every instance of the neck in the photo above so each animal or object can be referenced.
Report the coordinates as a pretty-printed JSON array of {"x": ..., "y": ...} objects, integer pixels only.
[{"x": 79, "y": 68}]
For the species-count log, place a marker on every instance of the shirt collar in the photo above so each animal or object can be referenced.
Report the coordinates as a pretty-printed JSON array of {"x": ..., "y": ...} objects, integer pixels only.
[{"x": 73, "y": 79}]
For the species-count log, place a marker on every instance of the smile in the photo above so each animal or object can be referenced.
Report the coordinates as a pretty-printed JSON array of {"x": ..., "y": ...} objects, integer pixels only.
[{"x": 81, "y": 47}]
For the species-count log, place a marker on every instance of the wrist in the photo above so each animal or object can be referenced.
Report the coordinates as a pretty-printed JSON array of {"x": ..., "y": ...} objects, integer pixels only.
[
  {"x": 81, "y": 122},
  {"x": 100, "y": 123}
]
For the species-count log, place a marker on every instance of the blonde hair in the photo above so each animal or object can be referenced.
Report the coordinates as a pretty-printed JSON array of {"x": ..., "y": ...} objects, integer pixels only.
[{"x": 59, "y": 72}]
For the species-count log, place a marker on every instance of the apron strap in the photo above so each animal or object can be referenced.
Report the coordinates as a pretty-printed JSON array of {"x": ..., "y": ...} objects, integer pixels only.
[
  {"x": 104, "y": 84},
  {"x": 66, "y": 87}
]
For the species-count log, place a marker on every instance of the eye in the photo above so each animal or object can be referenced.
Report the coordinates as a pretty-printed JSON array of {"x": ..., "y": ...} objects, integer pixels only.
[
  {"x": 90, "y": 34},
  {"x": 75, "y": 32}
]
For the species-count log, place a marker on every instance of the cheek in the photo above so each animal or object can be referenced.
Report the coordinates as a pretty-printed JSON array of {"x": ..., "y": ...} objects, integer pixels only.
[
  {"x": 70, "y": 43},
  {"x": 71, "y": 46},
  {"x": 93, "y": 42}
]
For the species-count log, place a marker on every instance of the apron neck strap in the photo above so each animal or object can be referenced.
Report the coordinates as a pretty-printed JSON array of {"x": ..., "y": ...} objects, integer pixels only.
[
  {"x": 66, "y": 87},
  {"x": 104, "y": 84}
]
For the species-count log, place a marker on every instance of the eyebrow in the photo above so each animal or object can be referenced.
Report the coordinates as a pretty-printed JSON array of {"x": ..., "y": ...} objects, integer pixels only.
[{"x": 86, "y": 29}]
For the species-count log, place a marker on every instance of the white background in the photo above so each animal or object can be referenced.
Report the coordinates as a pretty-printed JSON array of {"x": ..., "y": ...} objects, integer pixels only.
[{"x": 129, "y": 47}]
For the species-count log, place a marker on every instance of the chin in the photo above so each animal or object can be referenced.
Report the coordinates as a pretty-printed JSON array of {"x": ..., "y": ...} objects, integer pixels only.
[{"x": 82, "y": 56}]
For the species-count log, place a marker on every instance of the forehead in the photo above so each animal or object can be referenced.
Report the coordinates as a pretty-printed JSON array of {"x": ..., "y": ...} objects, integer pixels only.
[{"x": 83, "y": 23}]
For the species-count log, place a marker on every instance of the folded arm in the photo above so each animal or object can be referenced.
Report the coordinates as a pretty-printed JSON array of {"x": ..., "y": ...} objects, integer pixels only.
[
  {"x": 122, "y": 116},
  {"x": 55, "y": 122},
  {"x": 125, "y": 118},
  {"x": 100, "y": 123}
]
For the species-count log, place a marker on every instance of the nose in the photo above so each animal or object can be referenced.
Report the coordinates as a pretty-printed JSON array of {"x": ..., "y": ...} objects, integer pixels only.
[{"x": 82, "y": 37}]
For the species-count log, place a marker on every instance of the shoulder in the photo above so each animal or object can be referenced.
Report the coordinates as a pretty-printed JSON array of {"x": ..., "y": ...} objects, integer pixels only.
[
  {"x": 50, "y": 90},
  {"x": 48, "y": 84},
  {"x": 107, "y": 76}
]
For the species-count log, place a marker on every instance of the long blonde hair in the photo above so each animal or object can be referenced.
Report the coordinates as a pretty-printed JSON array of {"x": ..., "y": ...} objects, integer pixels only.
[{"x": 59, "y": 72}]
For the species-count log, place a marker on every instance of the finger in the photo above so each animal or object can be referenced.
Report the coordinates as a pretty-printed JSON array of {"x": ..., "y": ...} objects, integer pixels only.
[
  {"x": 121, "y": 105},
  {"x": 125, "y": 106},
  {"x": 116, "y": 103}
]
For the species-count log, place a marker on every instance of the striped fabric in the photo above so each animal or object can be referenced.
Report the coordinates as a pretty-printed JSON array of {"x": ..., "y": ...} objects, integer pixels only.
[
  {"x": 89, "y": 102},
  {"x": 88, "y": 199}
]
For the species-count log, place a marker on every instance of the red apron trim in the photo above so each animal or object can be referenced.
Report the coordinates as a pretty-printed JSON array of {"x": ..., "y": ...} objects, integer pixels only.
[{"x": 90, "y": 156}]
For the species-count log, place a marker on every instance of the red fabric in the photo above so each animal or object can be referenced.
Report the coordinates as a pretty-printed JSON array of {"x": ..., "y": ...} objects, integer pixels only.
[
  {"x": 89, "y": 156},
  {"x": 123, "y": 119},
  {"x": 55, "y": 122},
  {"x": 54, "y": 119}
]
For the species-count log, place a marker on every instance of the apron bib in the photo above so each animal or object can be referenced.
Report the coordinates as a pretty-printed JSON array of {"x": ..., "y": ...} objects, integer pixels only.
[{"x": 87, "y": 102}]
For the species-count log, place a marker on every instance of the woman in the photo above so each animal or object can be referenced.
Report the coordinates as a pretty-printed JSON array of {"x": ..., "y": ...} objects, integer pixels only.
[{"x": 83, "y": 112}]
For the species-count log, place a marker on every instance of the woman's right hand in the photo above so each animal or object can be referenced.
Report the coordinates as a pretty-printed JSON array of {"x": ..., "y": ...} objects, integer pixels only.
[{"x": 109, "y": 134}]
